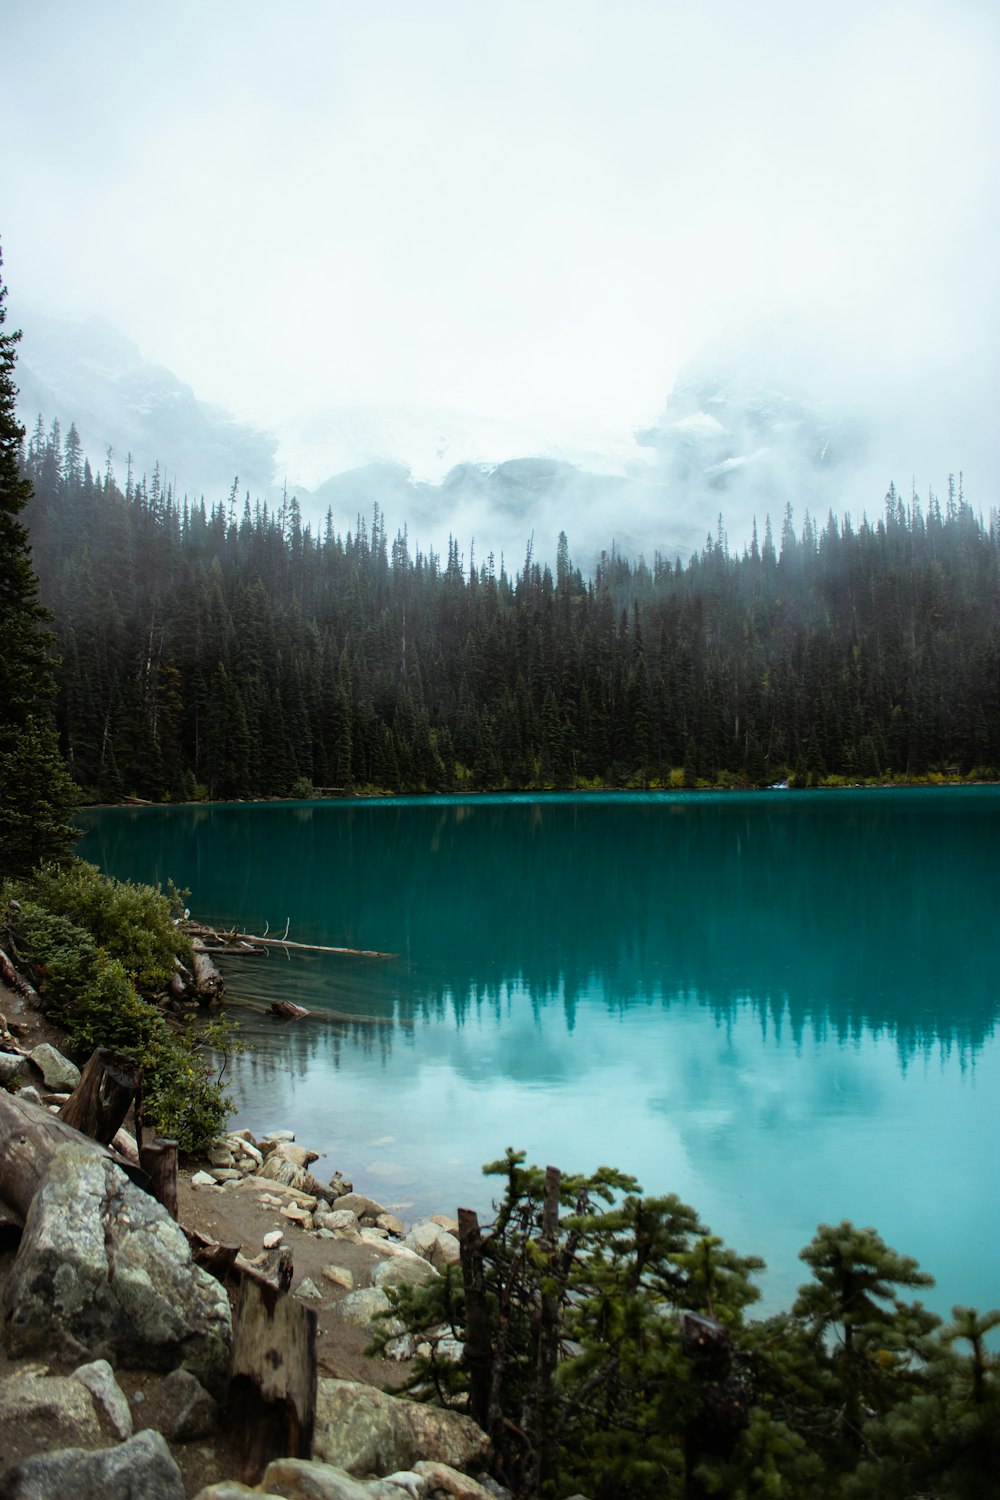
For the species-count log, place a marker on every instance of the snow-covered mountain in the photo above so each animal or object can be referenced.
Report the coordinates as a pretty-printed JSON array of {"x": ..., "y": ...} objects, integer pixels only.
[
  {"x": 740, "y": 435},
  {"x": 89, "y": 373}
]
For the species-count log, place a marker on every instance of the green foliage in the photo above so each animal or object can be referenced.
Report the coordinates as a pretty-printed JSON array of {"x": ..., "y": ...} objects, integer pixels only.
[
  {"x": 210, "y": 656},
  {"x": 607, "y": 1352},
  {"x": 36, "y": 793},
  {"x": 73, "y": 930},
  {"x": 132, "y": 923}
]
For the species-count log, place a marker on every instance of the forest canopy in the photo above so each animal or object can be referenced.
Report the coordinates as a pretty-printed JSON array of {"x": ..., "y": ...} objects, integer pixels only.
[{"x": 229, "y": 652}]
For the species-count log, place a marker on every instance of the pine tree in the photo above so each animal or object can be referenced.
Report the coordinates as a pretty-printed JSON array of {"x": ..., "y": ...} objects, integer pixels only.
[{"x": 36, "y": 794}]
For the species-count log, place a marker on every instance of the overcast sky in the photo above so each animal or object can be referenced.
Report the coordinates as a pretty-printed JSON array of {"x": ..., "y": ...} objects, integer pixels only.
[{"x": 536, "y": 209}]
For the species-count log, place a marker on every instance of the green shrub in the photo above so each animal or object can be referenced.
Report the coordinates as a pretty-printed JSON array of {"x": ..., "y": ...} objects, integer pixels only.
[
  {"x": 72, "y": 931},
  {"x": 133, "y": 923}
]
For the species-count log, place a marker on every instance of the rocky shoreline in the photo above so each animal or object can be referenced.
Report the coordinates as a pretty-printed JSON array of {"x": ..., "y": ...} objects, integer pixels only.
[{"x": 116, "y": 1343}]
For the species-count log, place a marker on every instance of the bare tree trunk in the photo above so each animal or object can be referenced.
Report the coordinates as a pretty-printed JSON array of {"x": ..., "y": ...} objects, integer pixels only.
[
  {"x": 478, "y": 1345},
  {"x": 101, "y": 1100}
]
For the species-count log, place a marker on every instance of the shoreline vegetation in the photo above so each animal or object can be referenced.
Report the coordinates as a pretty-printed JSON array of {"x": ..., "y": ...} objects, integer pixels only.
[{"x": 932, "y": 779}]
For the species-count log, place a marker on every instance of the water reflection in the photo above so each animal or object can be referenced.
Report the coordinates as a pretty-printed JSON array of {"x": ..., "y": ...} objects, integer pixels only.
[
  {"x": 782, "y": 1007},
  {"x": 849, "y": 911}
]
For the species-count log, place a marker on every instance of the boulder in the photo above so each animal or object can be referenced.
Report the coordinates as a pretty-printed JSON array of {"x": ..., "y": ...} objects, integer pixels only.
[
  {"x": 434, "y": 1243},
  {"x": 142, "y": 1466},
  {"x": 365, "y": 1431},
  {"x": 340, "y": 1276},
  {"x": 391, "y": 1224},
  {"x": 107, "y": 1395},
  {"x": 299, "y": 1156},
  {"x": 362, "y": 1308},
  {"x": 365, "y": 1208},
  {"x": 186, "y": 1409},
  {"x": 278, "y": 1168},
  {"x": 403, "y": 1270},
  {"x": 57, "y": 1071},
  {"x": 14, "y": 1069},
  {"x": 442, "y": 1479},
  {"x": 340, "y": 1220},
  {"x": 103, "y": 1271},
  {"x": 38, "y": 1409},
  {"x": 304, "y": 1479}
]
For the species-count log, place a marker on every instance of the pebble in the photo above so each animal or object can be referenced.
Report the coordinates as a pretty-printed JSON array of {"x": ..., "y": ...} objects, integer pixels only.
[{"x": 272, "y": 1238}]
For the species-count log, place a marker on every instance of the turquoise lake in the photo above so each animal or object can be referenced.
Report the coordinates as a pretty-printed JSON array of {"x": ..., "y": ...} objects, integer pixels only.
[{"x": 782, "y": 1006}]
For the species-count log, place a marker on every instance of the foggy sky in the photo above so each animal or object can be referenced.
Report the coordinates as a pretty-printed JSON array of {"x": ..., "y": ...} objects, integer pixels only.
[{"x": 537, "y": 210}]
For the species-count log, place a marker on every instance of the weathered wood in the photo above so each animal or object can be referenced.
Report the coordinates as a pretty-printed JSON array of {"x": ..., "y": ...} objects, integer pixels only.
[
  {"x": 11, "y": 1227},
  {"x": 286, "y": 1010},
  {"x": 29, "y": 1138},
  {"x": 273, "y": 1269},
  {"x": 14, "y": 981},
  {"x": 158, "y": 1158},
  {"x": 272, "y": 1393},
  {"x": 220, "y": 942},
  {"x": 208, "y": 982},
  {"x": 101, "y": 1100},
  {"x": 478, "y": 1344}
]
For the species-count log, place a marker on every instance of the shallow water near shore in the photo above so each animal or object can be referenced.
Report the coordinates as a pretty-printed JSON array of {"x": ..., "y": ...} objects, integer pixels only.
[{"x": 782, "y": 1006}]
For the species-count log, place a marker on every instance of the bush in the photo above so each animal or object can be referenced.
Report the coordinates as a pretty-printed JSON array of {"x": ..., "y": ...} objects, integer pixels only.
[
  {"x": 73, "y": 931},
  {"x": 133, "y": 923}
]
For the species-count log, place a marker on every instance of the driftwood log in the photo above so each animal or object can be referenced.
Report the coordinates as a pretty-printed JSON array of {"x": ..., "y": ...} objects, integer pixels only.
[
  {"x": 287, "y": 1010},
  {"x": 101, "y": 1100},
  {"x": 272, "y": 1394},
  {"x": 13, "y": 980},
  {"x": 29, "y": 1139},
  {"x": 208, "y": 982}
]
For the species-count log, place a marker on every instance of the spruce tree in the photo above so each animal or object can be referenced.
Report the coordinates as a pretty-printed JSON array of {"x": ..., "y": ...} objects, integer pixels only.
[{"x": 36, "y": 793}]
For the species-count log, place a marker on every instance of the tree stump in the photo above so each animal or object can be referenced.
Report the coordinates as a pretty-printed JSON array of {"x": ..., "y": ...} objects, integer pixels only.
[
  {"x": 158, "y": 1158},
  {"x": 272, "y": 1393},
  {"x": 101, "y": 1100}
]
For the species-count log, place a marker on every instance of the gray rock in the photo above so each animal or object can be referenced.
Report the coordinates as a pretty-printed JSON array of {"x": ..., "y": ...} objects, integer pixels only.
[
  {"x": 13, "y": 1070},
  {"x": 401, "y": 1270},
  {"x": 42, "y": 1409},
  {"x": 308, "y": 1290},
  {"x": 340, "y": 1220},
  {"x": 391, "y": 1224},
  {"x": 279, "y": 1169},
  {"x": 140, "y": 1469},
  {"x": 361, "y": 1308},
  {"x": 202, "y": 1179},
  {"x": 108, "y": 1396},
  {"x": 29, "y": 1094},
  {"x": 231, "y": 1489},
  {"x": 442, "y": 1479},
  {"x": 102, "y": 1270},
  {"x": 434, "y": 1243},
  {"x": 57, "y": 1071},
  {"x": 299, "y": 1156},
  {"x": 187, "y": 1410},
  {"x": 365, "y": 1208},
  {"x": 304, "y": 1479},
  {"x": 364, "y": 1431}
]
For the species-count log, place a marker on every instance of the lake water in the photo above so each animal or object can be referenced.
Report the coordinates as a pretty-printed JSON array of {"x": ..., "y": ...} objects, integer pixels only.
[{"x": 782, "y": 1006}]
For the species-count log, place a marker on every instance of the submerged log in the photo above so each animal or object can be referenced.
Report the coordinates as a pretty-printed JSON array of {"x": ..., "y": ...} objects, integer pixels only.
[
  {"x": 272, "y": 1394},
  {"x": 101, "y": 1100},
  {"x": 287, "y": 1010}
]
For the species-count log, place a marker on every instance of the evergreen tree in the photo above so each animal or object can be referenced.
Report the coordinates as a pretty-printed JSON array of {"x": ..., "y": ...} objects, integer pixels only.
[{"x": 36, "y": 794}]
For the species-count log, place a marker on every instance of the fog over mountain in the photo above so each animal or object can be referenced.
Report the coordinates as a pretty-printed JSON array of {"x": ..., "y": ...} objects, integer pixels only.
[{"x": 740, "y": 435}]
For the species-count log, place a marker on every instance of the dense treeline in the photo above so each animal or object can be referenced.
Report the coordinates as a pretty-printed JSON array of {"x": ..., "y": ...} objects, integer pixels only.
[{"x": 230, "y": 652}]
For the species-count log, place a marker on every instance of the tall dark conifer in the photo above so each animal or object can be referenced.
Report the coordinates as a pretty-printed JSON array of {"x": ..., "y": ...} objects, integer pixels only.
[{"x": 36, "y": 793}]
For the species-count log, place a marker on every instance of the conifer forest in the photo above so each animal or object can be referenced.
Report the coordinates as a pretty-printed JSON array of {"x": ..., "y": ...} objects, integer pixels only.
[{"x": 225, "y": 650}]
